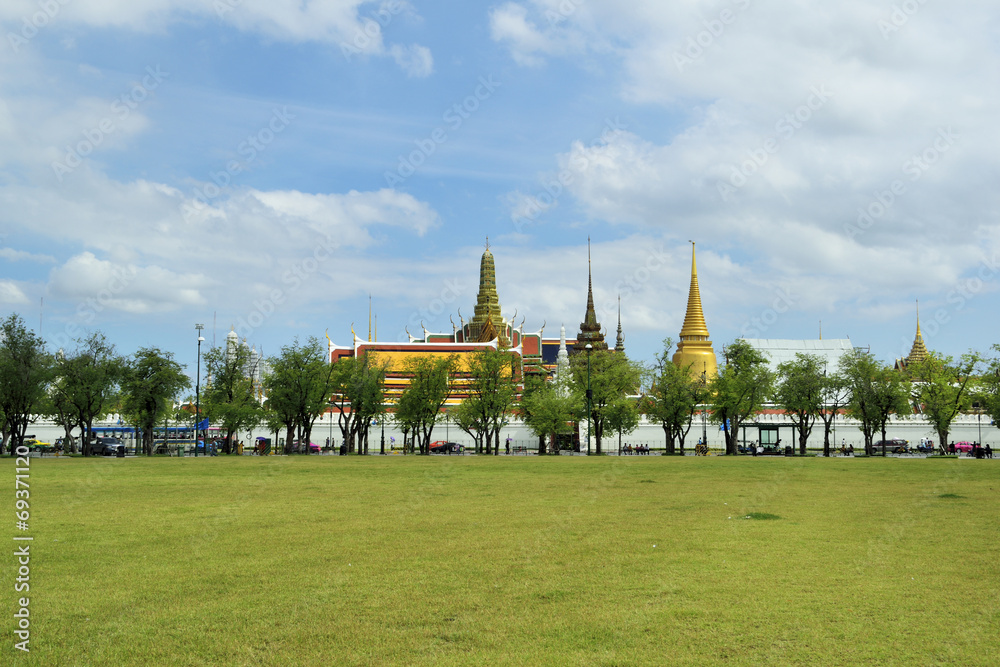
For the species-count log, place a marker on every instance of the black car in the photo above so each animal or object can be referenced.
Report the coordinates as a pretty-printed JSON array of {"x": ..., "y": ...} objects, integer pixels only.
[{"x": 107, "y": 446}]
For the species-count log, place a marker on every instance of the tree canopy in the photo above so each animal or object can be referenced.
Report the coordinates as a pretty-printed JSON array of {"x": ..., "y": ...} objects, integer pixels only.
[
  {"x": 431, "y": 383},
  {"x": 611, "y": 377},
  {"x": 800, "y": 391},
  {"x": 230, "y": 398},
  {"x": 740, "y": 390},
  {"x": 673, "y": 397},
  {"x": 25, "y": 371},
  {"x": 150, "y": 382}
]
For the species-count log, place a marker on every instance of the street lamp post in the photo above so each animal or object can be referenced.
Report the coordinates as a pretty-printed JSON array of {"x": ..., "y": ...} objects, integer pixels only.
[
  {"x": 704, "y": 415},
  {"x": 979, "y": 421},
  {"x": 197, "y": 390},
  {"x": 382, "y": 419},
  {"x": 590, "y": 395}
]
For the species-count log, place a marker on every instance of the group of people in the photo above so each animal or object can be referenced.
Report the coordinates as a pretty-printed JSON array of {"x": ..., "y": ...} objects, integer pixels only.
[
  {"x": 978, "y": 451},
  {"x": 636, "y": 449}
]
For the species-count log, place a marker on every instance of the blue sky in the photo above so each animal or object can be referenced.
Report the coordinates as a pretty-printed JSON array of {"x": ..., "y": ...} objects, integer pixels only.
[{"x": 269, "y": 164}]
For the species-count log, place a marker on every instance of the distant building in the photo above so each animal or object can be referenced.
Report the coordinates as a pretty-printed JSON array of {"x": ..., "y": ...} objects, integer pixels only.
[
  {"x": 779, "y": 350},
  {"x": 487, "y": 328}
]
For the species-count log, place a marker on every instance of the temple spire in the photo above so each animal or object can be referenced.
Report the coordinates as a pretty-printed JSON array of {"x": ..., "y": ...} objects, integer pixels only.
[
  {"x": 590, "y": 328},
  {"x": 620, "y": 342},
  {"x": 695, "y": 349},
  {"x": 487, "y": 323},
  {"x": 918, "y": 352}
]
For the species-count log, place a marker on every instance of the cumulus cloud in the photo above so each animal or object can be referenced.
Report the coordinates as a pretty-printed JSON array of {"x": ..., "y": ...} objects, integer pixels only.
[
  {"x": 10, "y": 293},
  {"x": 126, "y": 287},
  {"x": 415, "y": 60},
  {"x": 352, "y": 25},
  {"x": 842, "y": 150},
  {"x": 532, "y": 35}
]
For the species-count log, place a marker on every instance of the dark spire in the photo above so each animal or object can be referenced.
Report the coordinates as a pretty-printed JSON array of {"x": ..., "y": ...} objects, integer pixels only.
[
  {"x": 590, "y": 328},
  {"x": 620, "y": 342}
]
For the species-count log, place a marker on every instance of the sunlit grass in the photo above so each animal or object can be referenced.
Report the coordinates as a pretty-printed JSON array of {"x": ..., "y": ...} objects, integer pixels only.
[{"x": 520, "y": 560}]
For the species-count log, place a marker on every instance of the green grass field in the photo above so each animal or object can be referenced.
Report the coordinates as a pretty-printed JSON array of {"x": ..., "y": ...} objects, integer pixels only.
[{"x": 519, "y": 560}]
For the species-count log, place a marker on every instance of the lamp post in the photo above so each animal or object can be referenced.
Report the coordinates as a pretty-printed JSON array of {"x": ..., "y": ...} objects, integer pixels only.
[
  {"x": 382, "y": 420},
  {"x": 979, "y": 421},
  {"x": 329, "y": 414},
  {"x": 590, "y": 395},
  {"x": 704, "y": 415},
  {"x": 197, "y": 390}
]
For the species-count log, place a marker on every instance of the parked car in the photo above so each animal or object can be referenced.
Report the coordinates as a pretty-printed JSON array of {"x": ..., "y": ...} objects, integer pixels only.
[
  {"x": 894, "y": 446},
  {"x": 443, "y": 447},
  {"x": 107, "y": 446},
  {"x": 963, "y": 446},
  {"x": 299, "y": 448}
]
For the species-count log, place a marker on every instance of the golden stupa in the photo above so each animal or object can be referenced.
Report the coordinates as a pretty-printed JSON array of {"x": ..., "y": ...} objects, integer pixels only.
[
  {"x": 487, "y": 322},
  {"x": 695, "y": 349}
]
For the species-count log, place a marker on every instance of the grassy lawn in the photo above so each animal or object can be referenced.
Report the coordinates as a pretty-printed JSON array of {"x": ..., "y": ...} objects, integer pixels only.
[{"x": 519, "y": 560}]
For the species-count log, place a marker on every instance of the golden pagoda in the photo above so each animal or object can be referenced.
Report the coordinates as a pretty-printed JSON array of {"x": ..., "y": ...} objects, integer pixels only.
[
  {"x": 694, "y": 348},
  {"x": 918, "y": 352},
  {"x": 487, "y": 322}
]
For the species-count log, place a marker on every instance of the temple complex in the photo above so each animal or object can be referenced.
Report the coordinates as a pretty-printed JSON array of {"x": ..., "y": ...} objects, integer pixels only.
[
  {"x": 487, "y": 328},
  {"x": 695, "y": 349}
]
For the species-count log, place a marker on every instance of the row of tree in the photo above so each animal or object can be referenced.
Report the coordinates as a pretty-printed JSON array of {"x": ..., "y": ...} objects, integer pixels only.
[
  {"x": 605, "y": 389},
  {"x": 79, "y": 387},
  {"x": 861, "y": 387}
]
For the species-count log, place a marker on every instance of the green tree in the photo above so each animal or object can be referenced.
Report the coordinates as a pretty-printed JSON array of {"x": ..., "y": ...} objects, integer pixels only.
[
  {"x": 431, "y": 383},
  {"x": 673, "y": 397},
  {"x": 298, "y": 387},
  {"x": 834, "y": 395},
  {"x": 623, "y": 417},
  {"x": 943, "y": 388},
  {"x": 150, "y": 381},
  {"x": 230, "y": 397},
  {"x": 739, "y": 391},
  {"x": 491, "y": 387},
  {"x": 988, "y": 388},
  {"x": 549, "y": 413},
  {"x": 876, "y": 392},
  {"x": 357, "y": 393},
  {"x": 88, "y": 379},
  {"x": 612, "y": 377},
  {"x": 799, "y": 392},
  {"x": 25, "y": 372}
]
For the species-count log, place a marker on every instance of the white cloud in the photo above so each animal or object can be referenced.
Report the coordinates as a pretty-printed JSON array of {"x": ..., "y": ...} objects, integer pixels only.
[
  {"x": 352, "y": 25},
  {"x": 125, "y": 287},
  {"x": 545, "y": 31},
  {"x": 797, "y": 121},
  {"x": 415, "y": 60},
  {"x": 11, "y": 293},
  {"x": 13, "y": 255}
]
